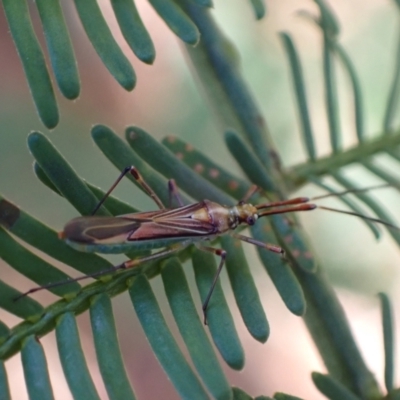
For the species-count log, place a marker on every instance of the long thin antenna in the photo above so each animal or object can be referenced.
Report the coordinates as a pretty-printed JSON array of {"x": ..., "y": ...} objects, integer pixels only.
[
  {"x": 355, "y": 190},
  {"x": 372, "y": 219}
]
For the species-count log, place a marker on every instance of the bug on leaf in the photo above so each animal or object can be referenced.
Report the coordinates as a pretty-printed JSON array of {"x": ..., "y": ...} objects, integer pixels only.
[{"x": 173, "y": 229}]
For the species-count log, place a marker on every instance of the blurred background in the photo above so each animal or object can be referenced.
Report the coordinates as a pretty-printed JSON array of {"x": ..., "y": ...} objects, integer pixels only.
[{"x": 167, "y": 101}]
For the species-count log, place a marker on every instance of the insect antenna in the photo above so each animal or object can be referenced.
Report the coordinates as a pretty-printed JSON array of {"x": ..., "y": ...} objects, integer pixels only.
[
  {"x": 353, "y": 213},
  {"x": 303, "y": 204},
  {"x": 350, "y": 191},
  {"x": 284, "y": 206},
  {"x": 366, "y": 217}
]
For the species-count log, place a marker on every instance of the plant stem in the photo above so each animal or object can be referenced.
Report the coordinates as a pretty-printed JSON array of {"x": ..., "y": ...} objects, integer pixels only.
[{"x": 219, "y": 74}]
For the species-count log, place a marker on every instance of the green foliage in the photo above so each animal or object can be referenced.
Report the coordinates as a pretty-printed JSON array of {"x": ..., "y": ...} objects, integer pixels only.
[{"x": 298, "y": 278}]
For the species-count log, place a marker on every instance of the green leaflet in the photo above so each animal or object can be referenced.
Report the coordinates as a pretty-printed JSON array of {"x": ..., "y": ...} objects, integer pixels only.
[
  {"x": 162, "y": 341},
  {"x": 73, "y": 359},
  {"x": 134, "y": 30},
  {"x": 192, "y": 330},
  {"x": 62, "y": 55},
  {"x": 35, "y": 370},
  {"x": 388, "y": 341},
  {"x": 33, "y": 61},
  {"x": 106, "y": 342},
  {"x": 105, "y": 45}
]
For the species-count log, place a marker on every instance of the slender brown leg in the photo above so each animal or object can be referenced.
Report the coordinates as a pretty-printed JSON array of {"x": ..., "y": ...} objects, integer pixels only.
[
  {"x": 221, "y": 253},
  {"x": 252, "y": 190},
  {"x": 135, "y": 173},
  {"x": 125, "y": 265},
  {"x": 174, "y": 193},
  {"x": 267, "y": 246}
]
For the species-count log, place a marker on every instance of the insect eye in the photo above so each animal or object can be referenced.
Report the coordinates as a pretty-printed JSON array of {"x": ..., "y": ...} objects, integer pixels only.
[{"x": 251, "y": 220}]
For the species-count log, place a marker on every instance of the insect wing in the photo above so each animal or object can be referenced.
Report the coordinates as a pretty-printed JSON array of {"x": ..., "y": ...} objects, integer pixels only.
[
  {"x": 160, "y": 224},
  {"x": 99, "y": 229},
  {"x": 187, "y": 221}
]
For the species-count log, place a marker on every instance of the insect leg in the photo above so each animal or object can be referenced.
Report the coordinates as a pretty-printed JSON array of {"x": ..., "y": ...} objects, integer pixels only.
[
  {"x": 252, "y": 190},
  {"x": 221, "y": 253},
  {"x": 173, "y": 192},
  {"x": 267, "y": 246},
  {"x": 125, "y": 265},
  {"x": 139, "y": 179},
  {"x": 135, "y": 173}
]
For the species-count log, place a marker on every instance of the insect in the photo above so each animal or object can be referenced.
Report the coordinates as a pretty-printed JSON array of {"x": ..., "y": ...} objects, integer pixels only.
[{"x": 173, "y": 229}]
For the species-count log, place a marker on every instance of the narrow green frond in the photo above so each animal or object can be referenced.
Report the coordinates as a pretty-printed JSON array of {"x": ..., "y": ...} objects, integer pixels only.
[
  {"x": 239, "y": 394},
  {"x": 330, "y": 29},
  {"x": 291, "y": 239},
  {"x": 106, "y": 342},
  {"x": 225, "y": 86},
  {"x": 331, "y": 97},
  {"x": 334, "y": 340},
  {"x": 39, "y": 235},
  {"x": 204, "y": 166},
  {"x": 356, "y": 87},
  {"x": 73, "y": 360},
  {"x": 133, "y": 29},
  {"x": 39, "y": 321},
  {"x": 4, "y": 332},
  {"x": 259, "y": 8},
  {"x": 122, "y": 156},
  {"x": 219, "y": 317},
  {"x": 397, "y": 2},
  {"x": 244, "y": 289},
  {"x": 162, "y": 342},
  {"x": 300, "y": 91},
  {"x": 35, "y": 370},
  {"x": 299, "y": 174},
  {"x": 104, "y": 43},
  {"x": 62, "y": 175},
  {"x": 328, "y": 21},
  {"x": 284, "y": 396},
  {"x": 177, "y": 20},
  {"x": 349, "y": 68},
  {"x": 248, "y": 161},
  {"x": 393, "y": 98},
  {"x": 25, "y": 308},
  {"x": 332, "y": 388},
  {"x": 114, "y": 205},
  {"x": 279, "y": 270},
  {"x": 61, "y": 54},
  {"x": 192, "y": 330},
  {"x": 165, "y": 162},
  {"x": 381, "y": 173},
  {"x": 204, "y": 3},
  {"x": 4, "y": 388},
  {"x": 388, "y": 341},
  {"x": 33, "y": 61},
  {"x": 32, "y": 266},
  {"x": 41, "y": 175}
]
